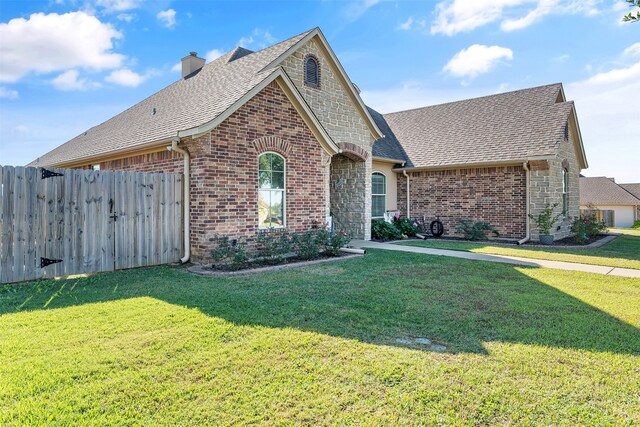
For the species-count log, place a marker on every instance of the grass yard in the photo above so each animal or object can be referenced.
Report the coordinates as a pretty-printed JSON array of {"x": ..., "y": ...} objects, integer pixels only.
[
  {"x": 318, "y": 346},
  {"x": 622, "y": 252}
]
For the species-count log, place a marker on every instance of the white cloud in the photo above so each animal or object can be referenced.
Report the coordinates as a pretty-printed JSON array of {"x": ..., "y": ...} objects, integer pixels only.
[
  {"x": 356, "y": 8},
  {"x": 607, "y": 111},
  {"x": 543, "y": 8},
  {"x": 126, "y": 77},
  {"x": 177, "y": 67},
  {"x": 69, "y": 81},
  {"x": 410, "y": 24},
  {"x": 126, "y": 17},
  {"x": 457, "y": 16},
  {"x": 476, "y": 59},
  {"x": 118, "y": 5},
  {"x": 8, "y": 93},
  {"x": 213, "y": 54},
  {"x": 167, "y": 17},
  {"x": 48, "y": 43},
  {"x": 258, "y": 39},
  {"x": 633, "y": 50}
]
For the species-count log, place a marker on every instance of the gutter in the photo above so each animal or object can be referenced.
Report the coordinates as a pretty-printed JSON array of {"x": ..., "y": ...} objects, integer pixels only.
[
  {"x": 187, "y": 196},
  {"x": 527, "y": 236},
  {"x": 404, "y": 172}
]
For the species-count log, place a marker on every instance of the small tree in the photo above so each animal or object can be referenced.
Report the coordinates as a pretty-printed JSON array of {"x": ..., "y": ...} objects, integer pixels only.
[{"x": 545, "y": 220}]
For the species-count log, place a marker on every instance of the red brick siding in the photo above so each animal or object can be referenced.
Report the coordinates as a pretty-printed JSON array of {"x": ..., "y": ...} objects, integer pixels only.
[
  {"x": 496, "y": 195},
  {"x": 224, "y": 175}
]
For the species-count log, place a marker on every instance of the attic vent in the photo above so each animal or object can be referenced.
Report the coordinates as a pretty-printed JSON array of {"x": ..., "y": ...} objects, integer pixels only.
[
  {"x": 311, "y": 71},
  {"x": 566, "y": 131}
]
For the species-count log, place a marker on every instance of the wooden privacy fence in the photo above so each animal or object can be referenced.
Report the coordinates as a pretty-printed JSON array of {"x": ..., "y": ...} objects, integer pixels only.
[{"x": 59, "y": 222}]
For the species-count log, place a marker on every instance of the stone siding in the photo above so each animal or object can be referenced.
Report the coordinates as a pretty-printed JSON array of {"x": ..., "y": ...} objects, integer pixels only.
[
  {"x": 224, "y": 171},
  {"x": 495, "y": 195},
  {"x": 546, "y": 187},
  {"x": 339, "y": 116},
  {"x": 348, "y": 196}
]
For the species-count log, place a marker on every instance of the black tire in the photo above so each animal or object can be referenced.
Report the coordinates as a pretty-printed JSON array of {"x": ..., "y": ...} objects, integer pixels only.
[{"x": 436, "y": 227}]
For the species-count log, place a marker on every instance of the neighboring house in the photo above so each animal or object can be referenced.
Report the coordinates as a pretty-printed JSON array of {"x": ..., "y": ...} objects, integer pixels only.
[
  {"x": 604, "y": 194},
  {"x": 280, "y": 138}
]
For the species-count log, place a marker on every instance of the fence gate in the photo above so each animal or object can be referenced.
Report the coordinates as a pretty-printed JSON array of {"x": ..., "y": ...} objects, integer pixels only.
[{"x": 57, "y": 222}]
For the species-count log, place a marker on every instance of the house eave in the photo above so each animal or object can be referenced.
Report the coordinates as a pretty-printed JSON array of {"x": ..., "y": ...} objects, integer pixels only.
[{"x": 475, "y": 165}]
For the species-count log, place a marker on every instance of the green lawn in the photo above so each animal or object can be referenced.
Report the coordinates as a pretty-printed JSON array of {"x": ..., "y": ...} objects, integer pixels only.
[
  {"x": 622, "y": 252},
  {"x": 317, "y": 346}
]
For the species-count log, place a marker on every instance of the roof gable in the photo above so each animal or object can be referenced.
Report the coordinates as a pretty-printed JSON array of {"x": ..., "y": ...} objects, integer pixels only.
[{"x": 344, "y": 79}]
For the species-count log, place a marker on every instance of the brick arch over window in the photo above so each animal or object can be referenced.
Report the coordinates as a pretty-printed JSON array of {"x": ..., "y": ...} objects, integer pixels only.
[
  {"x": 272, "y": 143},
  {"x": 352, "y": 151}
]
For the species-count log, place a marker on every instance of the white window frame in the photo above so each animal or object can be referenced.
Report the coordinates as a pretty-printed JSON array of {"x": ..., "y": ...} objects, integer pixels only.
[
  {"x": 378, "y": 194},
  {"x": 565, "y": 192},
  {"x": 283, "y": 190}
]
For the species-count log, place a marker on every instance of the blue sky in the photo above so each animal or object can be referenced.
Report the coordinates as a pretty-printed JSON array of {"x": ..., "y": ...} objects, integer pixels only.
[{"x": 66, "y": 65}]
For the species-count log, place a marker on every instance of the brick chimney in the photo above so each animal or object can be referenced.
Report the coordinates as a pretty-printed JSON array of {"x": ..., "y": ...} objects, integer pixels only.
[{"x": 191, "y": 64}]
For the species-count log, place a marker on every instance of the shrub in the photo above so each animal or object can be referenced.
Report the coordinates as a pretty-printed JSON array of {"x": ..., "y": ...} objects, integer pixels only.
[
  {"x": 636, "y": 224},
  {"x": 336, "y": 241},
  {"x": 231, "y": 254},
  {"x": 273, "y": 245},
  {"x": 475, "y": 230},
  {"x": 545, "y": 219},
  {"x": 587, "y": 226},
  {"x": 382, "y": 230},
  {"x": 406, "y": 226},
  {"x": 309, "y": 244}
]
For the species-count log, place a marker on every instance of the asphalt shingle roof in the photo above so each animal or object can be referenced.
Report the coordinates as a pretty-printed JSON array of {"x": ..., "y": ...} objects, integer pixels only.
[
  {"x": 601, "y": 190},
  {"x": 388, "y": 146},
  {"x": 177, "y": 107},
  {"x": 509, "y": 126},
  {"x": 632, "y": 188}
]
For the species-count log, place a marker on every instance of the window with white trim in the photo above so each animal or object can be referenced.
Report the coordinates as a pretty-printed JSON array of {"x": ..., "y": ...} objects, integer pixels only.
[
  {"x": 271, "y": 191},
  {"x": 565, "y": 192},
  {"x": 378, "y": 194}
]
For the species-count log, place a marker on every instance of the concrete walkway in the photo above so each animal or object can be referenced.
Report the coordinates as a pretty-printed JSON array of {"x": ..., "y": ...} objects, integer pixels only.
[{"x": 528, "y": 262}]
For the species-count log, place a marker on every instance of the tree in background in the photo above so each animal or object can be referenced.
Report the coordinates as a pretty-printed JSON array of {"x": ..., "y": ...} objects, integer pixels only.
[{"x": 630, "y": 17}]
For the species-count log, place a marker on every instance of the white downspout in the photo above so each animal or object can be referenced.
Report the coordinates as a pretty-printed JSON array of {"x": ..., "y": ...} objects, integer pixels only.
[
  {"x": 187, "y": 196},
  {"x": 404, "y": 172},
  {"x": 527, "y": 236}
]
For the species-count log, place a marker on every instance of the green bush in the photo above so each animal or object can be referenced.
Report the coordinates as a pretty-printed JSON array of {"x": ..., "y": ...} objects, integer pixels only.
[
  {"x": 336, "y": 241},
  {"x": 406, "y": 226},
  {"x": 230, "y": 254},
  {"x": 636, "y": 224},
  {"x": 382, "y": 230},
  {"x": 273, "y": 245},
  {"x": 545, "y": 220},
  {"x": 475, "y": 230},
  {"x": 310, "y": 244},
  {"x": 587, "y": 226}
]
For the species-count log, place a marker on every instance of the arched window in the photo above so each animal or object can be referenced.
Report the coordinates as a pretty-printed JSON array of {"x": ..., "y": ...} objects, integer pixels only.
[
  {"x": 271, "y": 190},
  {"x": 311, "y": 71},
  {"x": 378, "y": 194}
]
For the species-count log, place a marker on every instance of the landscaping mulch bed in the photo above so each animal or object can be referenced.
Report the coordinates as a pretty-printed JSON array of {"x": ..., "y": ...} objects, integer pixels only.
[{"x": 262, "y": 266}]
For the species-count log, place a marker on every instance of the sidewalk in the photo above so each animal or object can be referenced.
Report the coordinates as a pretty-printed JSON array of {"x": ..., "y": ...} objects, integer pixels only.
[{"x": 528, "y": 262}]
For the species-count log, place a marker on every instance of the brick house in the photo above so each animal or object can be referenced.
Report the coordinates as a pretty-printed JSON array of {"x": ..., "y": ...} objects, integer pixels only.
[{"x": 280, "y": 138}]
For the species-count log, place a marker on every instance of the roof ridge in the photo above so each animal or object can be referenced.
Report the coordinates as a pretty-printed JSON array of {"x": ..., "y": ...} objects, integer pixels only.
[{"x": 478, "y": 98}]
